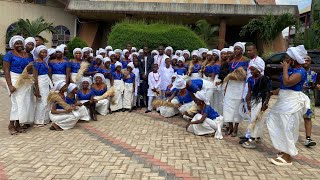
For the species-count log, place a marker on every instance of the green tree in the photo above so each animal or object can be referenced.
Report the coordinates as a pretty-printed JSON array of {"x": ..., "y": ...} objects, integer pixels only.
[
  {"x": 28, "y": 28},
  {"x": 268, "y": 27},
  {"x": 207, "y": 32},
  {"x": 75, "y": 43}
]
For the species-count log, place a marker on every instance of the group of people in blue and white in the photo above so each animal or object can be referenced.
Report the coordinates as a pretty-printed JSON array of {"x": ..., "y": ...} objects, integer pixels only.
[{"x": 204, "y": 86}]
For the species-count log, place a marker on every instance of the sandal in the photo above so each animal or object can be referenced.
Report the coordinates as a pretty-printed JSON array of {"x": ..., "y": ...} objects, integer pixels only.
[
  {"x": 280, "y": 162},
  {"x": 279, "y": 154},
  {"x": 13, "y": 131}
]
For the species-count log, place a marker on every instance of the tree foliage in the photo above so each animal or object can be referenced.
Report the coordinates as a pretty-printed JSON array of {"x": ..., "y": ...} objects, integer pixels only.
[
  {"x": 207, "y": 32},
  {"x": 75, "y": 43},
  {"x": 140, "y": 33}
]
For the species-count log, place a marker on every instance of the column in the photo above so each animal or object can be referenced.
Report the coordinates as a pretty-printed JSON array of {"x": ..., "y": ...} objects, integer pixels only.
[{"x": 222, "y": 33}]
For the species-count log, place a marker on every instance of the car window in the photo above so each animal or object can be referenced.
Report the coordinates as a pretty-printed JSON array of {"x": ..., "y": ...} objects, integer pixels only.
[
  {"x": 315, "y": 57},
  {"x": 276, "y": 59}
]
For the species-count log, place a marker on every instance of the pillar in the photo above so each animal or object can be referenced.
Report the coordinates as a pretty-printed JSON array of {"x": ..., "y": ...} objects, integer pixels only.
[
  {"x": 222, "y": 33},
  {"x": 88, "y": 32}
]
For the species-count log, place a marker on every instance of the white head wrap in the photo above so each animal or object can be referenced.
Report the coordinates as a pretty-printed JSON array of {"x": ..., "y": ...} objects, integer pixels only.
[
  {"x": 140, "y": 51},
  {"x": 85, "y": 49},
  {"x": 51, "y": 51},
  {"x": 175, "y": 57},
  {"x": 99, "y": 75},
  {"x": 14, "y": 39},
  {"x": 181, "y": 58},
  {"x": 298, "y": 53},
  {"x": 224, "y": 50},
  {"x": 241, "y": 45},
  {"x": 174, "y": 75},
  {"x": 154, "y": 52},
  {"x": 217, "y": 52},
  {"x": 259, "y": 65},
  {"x": 77, "y": 50},
  {"x": 106, "y": 59},
  {"x": 131, "y": 65},
  {"x": 71, "y": 87},
  {"x": 102, "y": 51},
  {"x": 63, "y": 46},
  {"x": 86, "y": 79},
  {"x": 209, "y": 53},
  {"x": 195, "y": 53},
  {"x": 134, "y": 49},
  {"x": 60, "y": 49},
  {"x": 202, "y": 50},
  {"x": 125, "y": 51},
  {"x": 108, "y": 48},
  {"x": 118, "y": 64},
  {"x": 38, "y": 50},
  {"x": 179, "y": 83},
  {"x": 135, "y": 53},
  {"x": 186, "y": 52},
  {"x": 58, "y": 85},
  {"x": 231, "y": 49},
  {"x": 99, "y": 57},
  {"x": 178, "y": 52},
  {"x": 201, "y": 95},
  {"x": 117, "y": 51},
  {"x": 168, "y": 48},
  {"x": 29, "y": 40},
  {"x": 111, "y": 53}
]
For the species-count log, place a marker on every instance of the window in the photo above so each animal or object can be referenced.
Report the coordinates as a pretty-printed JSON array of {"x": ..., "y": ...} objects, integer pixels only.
[
  {"x": 9, "y": 34},
  {"x": 60, "y": 36}
]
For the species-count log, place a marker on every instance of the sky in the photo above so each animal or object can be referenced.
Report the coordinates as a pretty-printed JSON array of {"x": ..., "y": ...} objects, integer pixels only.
[{"x": 301, "y": 3}]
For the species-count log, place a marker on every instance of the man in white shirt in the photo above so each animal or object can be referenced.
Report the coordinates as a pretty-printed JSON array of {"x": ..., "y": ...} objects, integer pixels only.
[{"x": 160, "y": 58}]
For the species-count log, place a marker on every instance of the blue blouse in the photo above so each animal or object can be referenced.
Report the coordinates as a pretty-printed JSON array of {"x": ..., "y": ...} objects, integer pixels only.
[
  {"x": 117, "y": 76},
  {"x": 99, "y": 92},
  {"x": 59, "y": 67},
  {"x": 65, "y": 58},
  {"x": 131, "y": 79},
  {"x": 171, "y": 91},
  {"x": 252, "y": 81},
  {"x": 41, "y": 67},
  {"x": 211, "y": 113},
  {"x": 180, "y": 70},
  {"x": 113, "y": 67},
  {"x": 196, "y": 68},
  {"x": 105, "y": 72},
  {"x": 17, "y": 64},
  {"x": 235, "y": 65},
  {"x": 68, "y": 101},
  {"x": 82, "y": 96},
  {"x": 124, "y": 64},
  {"x": 196, "y": 85},
  {"x": 184, "y": 99},
  {"x": 75, "y": 66},
  {"x": 299, "y": 86}
]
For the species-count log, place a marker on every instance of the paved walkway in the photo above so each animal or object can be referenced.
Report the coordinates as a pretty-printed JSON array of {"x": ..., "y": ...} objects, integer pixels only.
[{"x": 139, "y": 146}]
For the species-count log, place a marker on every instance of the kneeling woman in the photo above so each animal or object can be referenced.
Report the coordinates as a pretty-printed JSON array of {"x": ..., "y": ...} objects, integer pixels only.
[
  {"x": 63, "y": 115},
  {"x": 292, "y": 104},
  {"x": 207, "y": 121},
  {"x": 86, "y": 96},
  {"x": 99, "y": 88}
]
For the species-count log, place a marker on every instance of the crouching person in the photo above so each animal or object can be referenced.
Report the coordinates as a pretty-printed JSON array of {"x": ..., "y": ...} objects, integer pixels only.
[{"x": 207, "y": 121}]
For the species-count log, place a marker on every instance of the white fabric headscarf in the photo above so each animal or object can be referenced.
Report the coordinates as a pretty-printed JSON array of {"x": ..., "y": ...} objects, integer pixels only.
[
  {"x": 117, "y": 51},
  {"x": 71, "y": 87},
  {"x": 186, "y": 52},
  {"x": 14, "y": 39},
  {"x": 134, "y": 49},
  {"x": 178, "y": 52},
  {"x": 175, "y": 57},
  {"x": 111, "y": 53},
  {"x": 224, "y": 50},
  {"x": 51, "y": 51},
  {"x": 63, "y": 45},
  {"x": 231, "y": 49},
  {"x": 131, "y": 65},
  {"x": 102, "y": 51},
  {"x": 29, "y": 40},
  {"x": 241, "y": 45},
  {"x": 181, "y": 58},
  {"x": 125, "y": 51},
  {"x": 209, "y": 53},
  {"x": 298, "y": 53},
  {"x": 77, "y": 50},
  {"x": 179, "y": 83},
  {"x": 201, "y": 95},
  {"x": 135, "y": 53},
  {"x": 118, "y": 64},
  {"x": 99, "y": 57},
  {"x": 99, "y": 75},
  {"x": 202, "y": 50},
  {"x": 60, "y": 49},
  {"x": 106, "y": 59},
  {"x": 140, "y": 51},
  {"x": 85, "y": 49},
  {"x": 58, "y": 85},
  {"x": 259, "y": 65},
  {"x": 108, "y": 48},
  {"x": 155, "y": 52},
  {"x": 217, "y": 52},
  {"x": 38, "y": 50},
  {"x": 195, "y": 53},
  {"x": 168, "y": 48},
  {"x": 86, "y": 79}
]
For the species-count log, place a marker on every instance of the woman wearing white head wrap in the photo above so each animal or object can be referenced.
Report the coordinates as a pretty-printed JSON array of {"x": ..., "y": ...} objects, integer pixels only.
[
  {"x": 140, "y": 52},
  {"x": 75, "y": 63},
  {"x": 133, "y": 49},
  {"x": 168, "y": 51},
  {"x": 108, "y": 48},
  {"x": 51, "y": 51},
  {"x": 22, "y": 108},
  {"x": 224, "y": 54},
  {"x": 230, "y": 54},
  {"x": 194, "y": 70},
  {"x": 154, "y": 52},
  {"x": 239, "y": 45},
  {"x": 65, "y": 50},
  {"x": 186, "y": 54},
  {"x": 284, "y": 117},
  {"x": 59, "y": 68},
  {"x": 178, "y": 53},
  {"x": 207, "y": 121},
  {"x": 129, "y": 88},
  {"x": 64, "y": 119},
  {"x": 203, "y": 53},
  {"x": 29, "y": 44},
  {"x": 102, "y": 52},
  {"x": 118, "y": 84},
  {"x": 42, "y": 84},
  {"x": 60, "y": 49},
  {"x": 118, "y": 54},
  {"x": 99, "y": 88},
  {"x": 85, "y": 95}
]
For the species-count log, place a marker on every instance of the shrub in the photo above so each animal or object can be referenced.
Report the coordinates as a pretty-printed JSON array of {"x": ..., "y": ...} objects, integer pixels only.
[
  {"x": 75, "y": 43},
  {"x": 140, "y": 33}
]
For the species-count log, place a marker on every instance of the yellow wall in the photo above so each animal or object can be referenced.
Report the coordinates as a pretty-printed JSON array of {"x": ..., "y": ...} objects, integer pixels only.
[
  {"x": 11, "y": 11},
  {"x": 192, "y": 1}
]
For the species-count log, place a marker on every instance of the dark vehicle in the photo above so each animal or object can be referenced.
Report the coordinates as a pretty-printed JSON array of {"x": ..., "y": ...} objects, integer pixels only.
[{"x": 274, "y": 68}]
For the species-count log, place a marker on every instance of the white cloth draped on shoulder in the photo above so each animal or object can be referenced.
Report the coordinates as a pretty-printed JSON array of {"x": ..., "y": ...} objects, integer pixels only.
[
  {"x": 128, "y": 95},
  {"x": 68, "y": 120},
  {"x": 73, "y": 77},
  {"x": 58, "y": 77},
  {"x": 283, "y": 120},
  {"x": 22, "y": 102},
  {"x": 232, "y": 101},
  {"x": 102, "y": 106},
  {"x": 116, "y": 100},
  {"x": 208, "y": 126},
  {"x": 86, "y": 117},
  {"x": 166, "y": 111},
  {"x": 42, "y": 109}
]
